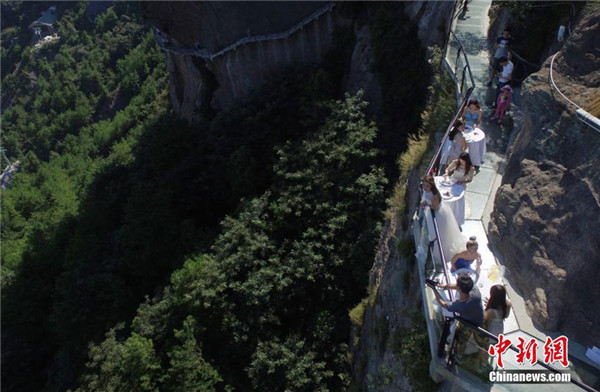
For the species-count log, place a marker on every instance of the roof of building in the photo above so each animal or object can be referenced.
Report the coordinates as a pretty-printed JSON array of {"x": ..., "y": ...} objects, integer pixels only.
[{"x": 48, "y": 18}]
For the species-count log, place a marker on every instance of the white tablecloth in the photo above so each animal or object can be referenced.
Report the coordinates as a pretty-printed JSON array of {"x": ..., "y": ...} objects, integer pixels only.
[
  {"x": 476, "y": 141},
  {"x": 454, "y": 197}
]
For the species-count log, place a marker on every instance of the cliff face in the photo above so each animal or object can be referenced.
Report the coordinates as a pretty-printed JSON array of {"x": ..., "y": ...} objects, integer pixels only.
[
  {"x": 546, "y": 219},
  {"x": 198, "y": 85},
  {"x": 396, "y": 294},
  {"x": 432, "y": 18}
]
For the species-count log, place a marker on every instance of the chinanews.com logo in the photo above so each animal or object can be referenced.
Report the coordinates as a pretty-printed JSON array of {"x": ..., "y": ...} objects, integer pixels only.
[
  {"x": 555, "y": 352},
  {"x": 529, "y": 377}
]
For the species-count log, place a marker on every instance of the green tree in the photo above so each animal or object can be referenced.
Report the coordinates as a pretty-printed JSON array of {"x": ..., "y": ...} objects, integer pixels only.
[
  {"x": 188, "y": 371},
  {"x": 129, "y": 366},
  {"x": 287, "y": 366}
]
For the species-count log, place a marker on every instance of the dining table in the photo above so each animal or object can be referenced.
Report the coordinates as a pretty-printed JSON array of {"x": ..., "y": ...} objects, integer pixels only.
[
  {"x": 453, "y": 195},
  {"x": 475, "y": 138}
]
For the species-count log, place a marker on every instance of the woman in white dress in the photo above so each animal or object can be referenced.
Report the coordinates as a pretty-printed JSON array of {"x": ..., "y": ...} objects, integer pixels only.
[
  {"x": 455, "y": 145},
  {"x": 450, "y": 236},
  {"x": 462, "y": 169},
  {"x": 457, "y": 142}
]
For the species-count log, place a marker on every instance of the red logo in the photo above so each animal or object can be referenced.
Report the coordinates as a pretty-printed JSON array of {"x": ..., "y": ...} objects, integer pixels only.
[
  {"x": 499, "y": 349},
  {"x": 556, "y": 350},
  {"x": 527, "y": 351}
]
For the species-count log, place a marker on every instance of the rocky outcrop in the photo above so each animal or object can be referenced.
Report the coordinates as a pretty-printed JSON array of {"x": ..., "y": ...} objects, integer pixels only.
[
  {"x": 376, "y": 366},
  {"x": 198, "y": 85},
  {"x": 546, "y": 219},
  {"x": 362, "y": 75},
  {"x": 432, "y": 18}
]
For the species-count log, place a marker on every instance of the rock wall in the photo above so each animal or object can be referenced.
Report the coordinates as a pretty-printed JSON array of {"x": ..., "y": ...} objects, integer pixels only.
[
  {"x": 197, "y": 85},
  {"x": 237, "y": 73},
  {"x": 432, "y": 18},
  {"x": 395, "y": 284},
  {"x": 546, "y": 219},
  {"x": 362, "y": 74}
]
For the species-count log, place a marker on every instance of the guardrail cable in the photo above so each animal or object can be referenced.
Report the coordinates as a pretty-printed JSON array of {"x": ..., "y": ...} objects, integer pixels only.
[{"x": 555, "y": 86}]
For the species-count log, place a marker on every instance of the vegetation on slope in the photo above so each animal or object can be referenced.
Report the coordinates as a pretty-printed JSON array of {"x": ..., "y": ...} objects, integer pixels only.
[{"x": 141, "y": 252}]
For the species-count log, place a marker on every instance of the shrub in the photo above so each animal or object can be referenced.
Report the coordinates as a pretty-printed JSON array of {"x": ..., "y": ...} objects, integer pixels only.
[{"x": 412, "y": 346}]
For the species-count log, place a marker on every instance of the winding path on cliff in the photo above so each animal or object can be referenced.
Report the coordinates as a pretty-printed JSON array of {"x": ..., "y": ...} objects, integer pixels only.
[
  {"x": 471, "y": 29},
  {"x": 165, "y": 42}
]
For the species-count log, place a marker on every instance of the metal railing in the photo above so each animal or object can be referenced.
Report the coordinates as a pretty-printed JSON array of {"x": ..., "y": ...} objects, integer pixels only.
[
  {"x": 434, "y": 164},
  {"x": 457, "y": 64},
  {"x": 165, "y": 43},
  {"x": 463, "y": 93},
  {"x": 439, "y": 336}
]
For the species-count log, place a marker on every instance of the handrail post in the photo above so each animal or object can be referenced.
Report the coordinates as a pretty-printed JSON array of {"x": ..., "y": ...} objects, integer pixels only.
[
  {"x": 457, "y": 57},
  {"x": 462, "y": 80},
  {"x": 444, "y": 337}
]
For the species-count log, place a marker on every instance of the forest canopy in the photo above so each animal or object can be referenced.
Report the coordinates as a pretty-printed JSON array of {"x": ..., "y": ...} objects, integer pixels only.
[{"x": 142, "y": 252}]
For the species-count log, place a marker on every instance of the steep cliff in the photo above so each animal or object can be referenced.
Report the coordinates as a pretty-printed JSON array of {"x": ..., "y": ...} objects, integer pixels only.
[
  {"x": 390, "y": 345},
  {"x": 431, "y": 18},
  {"x": 198, "y": 85},
  {"x": 546, "y": 219},
  {"x": 390, "y": 312}
]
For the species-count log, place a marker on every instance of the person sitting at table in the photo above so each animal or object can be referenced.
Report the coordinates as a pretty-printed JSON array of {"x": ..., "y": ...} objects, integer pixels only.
[
  {"x": 456, "y": 143},
  {"x": 472, "y": 114},
  {"x": 462, "y": 169},
  {"x": 464, "y": 258},
  {"x": 449, "y": 230}
]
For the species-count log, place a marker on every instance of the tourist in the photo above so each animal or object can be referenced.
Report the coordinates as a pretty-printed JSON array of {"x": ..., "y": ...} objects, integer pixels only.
[
  {"x": 468, "y": 305},
  {"x": 472, "y": 114},
  {"x": 465, "y": 8},
  {"x": 497, "y": 309},
  {"x": 504, "y": 76},
  {"x": 503, "y": 46},
  {"x": 502, "y": 103}
]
